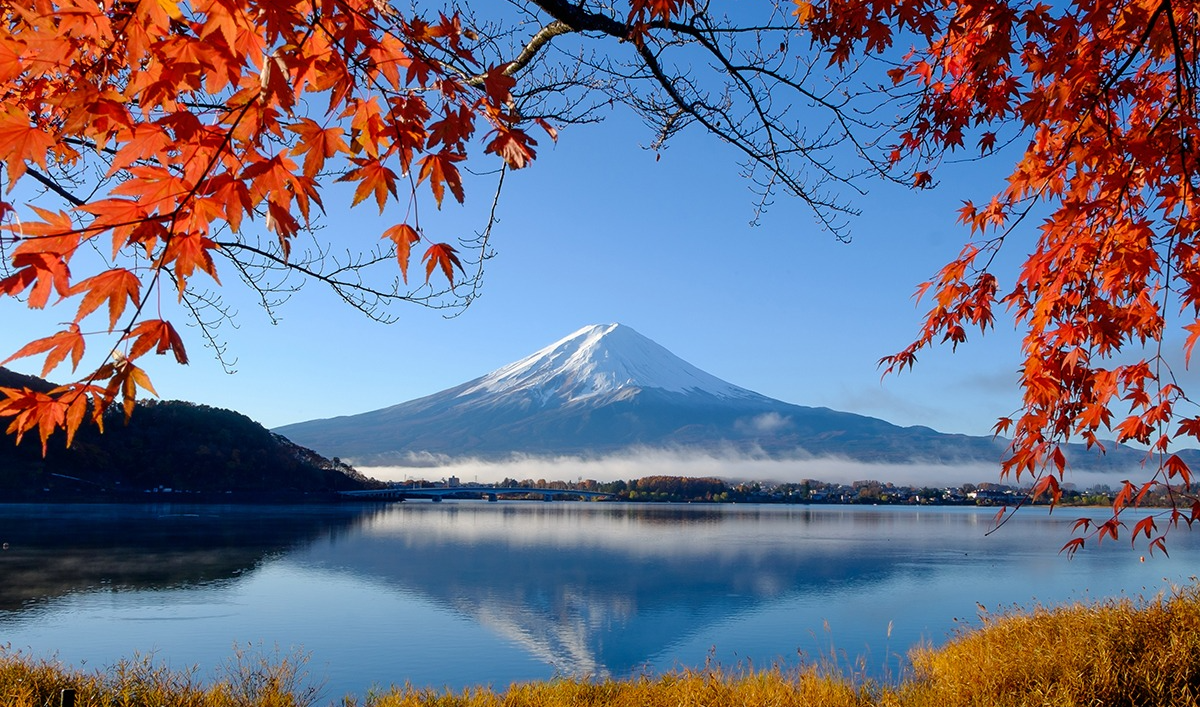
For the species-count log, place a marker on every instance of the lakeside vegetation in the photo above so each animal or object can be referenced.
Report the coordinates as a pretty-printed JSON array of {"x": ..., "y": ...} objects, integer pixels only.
[
  {"x": 681, "y": 489},
  {"x": 1144, "y": 653}
]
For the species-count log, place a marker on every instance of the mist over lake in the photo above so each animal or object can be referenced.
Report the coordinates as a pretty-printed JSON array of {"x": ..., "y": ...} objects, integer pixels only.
[{"x": 465, "y": 593}]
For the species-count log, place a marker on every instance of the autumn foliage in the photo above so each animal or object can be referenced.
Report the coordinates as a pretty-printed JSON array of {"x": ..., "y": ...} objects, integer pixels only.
[
  {"x": 209, "y": 122},
  {"x": 183, "y": 136},
  {"x": 1097, "y": 101}
]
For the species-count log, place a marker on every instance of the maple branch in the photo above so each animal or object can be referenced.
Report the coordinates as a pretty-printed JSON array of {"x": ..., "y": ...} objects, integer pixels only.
[
  {"x": 481, "y": 244},
  {"x": 54, "y": 186},
  {"x": 530, "y": 50},
  {"x": 582, "y": 20},
  {"x": 197, "y": 303},
  {"x": 355, "y": 292},
  {"x": 1183, "y": 79},
  {"x": 745, "y": 110},
  {"x": 819, "y": 206}
]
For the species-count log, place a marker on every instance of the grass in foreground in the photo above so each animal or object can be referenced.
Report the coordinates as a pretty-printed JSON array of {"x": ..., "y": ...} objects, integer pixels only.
[{"x": 1114, "y": 653}]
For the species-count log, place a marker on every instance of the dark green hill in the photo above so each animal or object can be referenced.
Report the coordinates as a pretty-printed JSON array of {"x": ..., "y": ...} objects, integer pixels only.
[{"x": 180, "y": 446}]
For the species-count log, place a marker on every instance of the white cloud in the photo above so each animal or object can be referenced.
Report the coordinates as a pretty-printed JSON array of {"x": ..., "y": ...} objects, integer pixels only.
[{"x": 765, "y": 423}]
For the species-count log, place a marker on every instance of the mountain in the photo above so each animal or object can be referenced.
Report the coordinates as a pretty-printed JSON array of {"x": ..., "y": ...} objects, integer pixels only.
[
  {"x": 169, "y": 444},
  {"x": 607, "y": 388}
]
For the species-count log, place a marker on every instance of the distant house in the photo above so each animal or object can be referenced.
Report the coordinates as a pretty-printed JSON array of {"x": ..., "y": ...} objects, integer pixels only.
[{"x": 989, "y": 498}]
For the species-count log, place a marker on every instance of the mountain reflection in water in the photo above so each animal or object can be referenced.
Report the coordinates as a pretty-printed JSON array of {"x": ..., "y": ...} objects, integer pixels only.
[
  {"x": 600, "y": 590},
  {"x": 466, "y": 592}
]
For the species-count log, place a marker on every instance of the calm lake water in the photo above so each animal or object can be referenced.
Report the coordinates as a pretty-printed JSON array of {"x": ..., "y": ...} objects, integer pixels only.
[{"x": 468, "y": 593}]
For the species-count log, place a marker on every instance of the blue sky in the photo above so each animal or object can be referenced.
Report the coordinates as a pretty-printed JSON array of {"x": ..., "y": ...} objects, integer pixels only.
[{"x": 598, "y": 230}]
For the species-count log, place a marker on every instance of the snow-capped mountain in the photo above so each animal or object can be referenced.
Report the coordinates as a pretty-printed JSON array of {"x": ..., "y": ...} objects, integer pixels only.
[
  {"x": 602, "y": 361},
  {"x": 607, "y": 388}
]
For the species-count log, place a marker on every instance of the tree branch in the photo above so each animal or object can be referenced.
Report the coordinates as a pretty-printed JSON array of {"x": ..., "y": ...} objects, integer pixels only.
[{"x": 54, "y": 186}]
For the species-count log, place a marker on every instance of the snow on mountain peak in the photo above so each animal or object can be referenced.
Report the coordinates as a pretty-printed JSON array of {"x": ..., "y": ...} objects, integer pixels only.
[{"x": 601, "y": 360}]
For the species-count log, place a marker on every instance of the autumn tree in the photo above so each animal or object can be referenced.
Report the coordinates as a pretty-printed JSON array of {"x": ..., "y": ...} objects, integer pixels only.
[
  {"x": 153, "y": 150},
  {"x": 1097, "y": 101},
  {"x": 153, "y": 147}
]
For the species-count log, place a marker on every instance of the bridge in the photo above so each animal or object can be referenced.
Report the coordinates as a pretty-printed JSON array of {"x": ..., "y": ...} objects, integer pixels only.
[{"x": 491, "y": 493}]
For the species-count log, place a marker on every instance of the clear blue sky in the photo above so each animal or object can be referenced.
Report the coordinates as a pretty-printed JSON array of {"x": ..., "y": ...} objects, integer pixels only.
[{"x": 599, "y": 231}]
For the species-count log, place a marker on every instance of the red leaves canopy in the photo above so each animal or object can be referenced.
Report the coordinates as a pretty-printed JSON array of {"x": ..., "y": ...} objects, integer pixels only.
[
  {"x": 1103, "y": 96},
  {"x": 189, "y": 110}
]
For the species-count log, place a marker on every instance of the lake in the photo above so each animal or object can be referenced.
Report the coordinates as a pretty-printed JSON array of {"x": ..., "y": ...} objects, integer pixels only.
[{"x": 474, "y": 593}]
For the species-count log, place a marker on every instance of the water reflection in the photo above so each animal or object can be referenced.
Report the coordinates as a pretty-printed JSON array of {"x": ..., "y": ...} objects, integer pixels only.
[
  {"x": 464, "y": 593},
  {"x": 600, "y": 589},
  {"x": 51, "y": 551},
  {"x": 595, "y": 591}
]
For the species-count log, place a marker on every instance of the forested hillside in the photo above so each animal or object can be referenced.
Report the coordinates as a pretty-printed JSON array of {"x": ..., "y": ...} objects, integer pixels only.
[{"x": 172, "y": 445}]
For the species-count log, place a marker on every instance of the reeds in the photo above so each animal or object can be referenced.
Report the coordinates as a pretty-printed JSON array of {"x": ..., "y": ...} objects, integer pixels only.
[
  {"x": 1143, "y": 654},
  {"x": 1113, "y": 653},
  {"x": 247, "y": 680},
  {"x": 709, "y": 687}
]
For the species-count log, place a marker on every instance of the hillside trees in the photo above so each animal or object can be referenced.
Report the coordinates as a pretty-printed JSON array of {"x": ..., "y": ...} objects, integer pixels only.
[{"x": 153, "y": 147}]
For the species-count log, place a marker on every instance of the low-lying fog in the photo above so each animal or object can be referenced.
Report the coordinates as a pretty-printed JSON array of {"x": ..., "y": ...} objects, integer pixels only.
[{"x": 635, "y": 465}]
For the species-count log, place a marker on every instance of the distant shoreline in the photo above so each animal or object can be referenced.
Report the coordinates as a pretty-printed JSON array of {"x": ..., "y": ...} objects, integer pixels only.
[{"x": 327, "y": 499}]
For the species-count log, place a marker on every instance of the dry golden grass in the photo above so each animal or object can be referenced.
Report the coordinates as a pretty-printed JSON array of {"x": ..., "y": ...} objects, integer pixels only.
[
  {"x": 688, "y": 688},
  {"x": 1142, "y": 654},
  {"x": 248, "y": 681},
  {"x": 1114, "y": 653}
]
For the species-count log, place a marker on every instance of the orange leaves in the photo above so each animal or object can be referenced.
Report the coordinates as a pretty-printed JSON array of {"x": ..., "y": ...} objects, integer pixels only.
[
  {"x": 143, "y": 142},
  {"x": 513, "y": 146},
  {"x": 124, "y": 379},
  {"x": 155, "y": 188},
  {"x": 41, "y": 258},
  {"x": 1189, "y": 427},
  {"x": 116, "y": 286},
  {"x": 1108, "y": 528},
  {"x": 404, "y": 236},
  {"x": 1178, "y": 468},
  {"x": 45, "y": 272},
  {"x": 803, "y": 12},
  {"x": 21, "y": 142},
  {"x": 57, "y": 347},
  {"x": 64, "y": 407},
  {"x": 1193, "y": 331},
  {"x": 1073, "y": 545},
  {"x": 274, "y": 83},
  {"x": 1047, "y": 486},
  {"x": 158, "y": 335},
  {"x": 438, "y": 168},
  {"x": 317, "y": 144},
  {"x": 1145, "y": 526},
  {"x": 437, "y": 255},
  {"x": 641, "y": 10},
  {"x": 268, "y": 176},
  {"x": 186, "y": 252},
  {"x": 444, "y": 256},
  {"x": 126, "y": 219},
  {"x": 31, "y": 410},
  {"x": 498, "y": 84},
  {"x": 199, "y": 122},
  {"x": 1088, "y": 103},
  {"x": 373, "y": 177}
]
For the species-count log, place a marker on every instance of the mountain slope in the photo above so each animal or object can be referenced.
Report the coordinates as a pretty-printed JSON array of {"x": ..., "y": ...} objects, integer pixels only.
[
  {"x": 607, "y": 388},
  {"x": 178, "y": 445}
]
